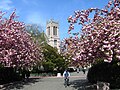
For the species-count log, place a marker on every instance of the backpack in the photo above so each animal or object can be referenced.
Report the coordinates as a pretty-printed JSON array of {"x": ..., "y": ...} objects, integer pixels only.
[{"x": 66, "y": 74}]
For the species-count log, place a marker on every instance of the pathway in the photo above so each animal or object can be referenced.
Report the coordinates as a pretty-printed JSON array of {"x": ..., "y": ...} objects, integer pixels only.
[{"x": 77, "y": 82}]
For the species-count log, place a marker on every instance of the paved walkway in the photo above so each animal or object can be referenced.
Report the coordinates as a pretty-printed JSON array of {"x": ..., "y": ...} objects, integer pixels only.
[{"x": 77, "y": 82}]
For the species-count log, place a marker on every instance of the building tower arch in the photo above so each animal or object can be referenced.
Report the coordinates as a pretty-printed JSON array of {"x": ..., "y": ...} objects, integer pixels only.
[{"x": 52, "y": 32}]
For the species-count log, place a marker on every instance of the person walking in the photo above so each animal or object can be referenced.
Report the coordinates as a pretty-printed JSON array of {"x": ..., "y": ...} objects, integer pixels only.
[
  {"x": 84, "y": 69},
  {"x": 78, "y": 69}
]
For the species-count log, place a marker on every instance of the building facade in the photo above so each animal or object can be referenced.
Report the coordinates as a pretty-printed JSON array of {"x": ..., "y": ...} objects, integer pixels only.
[{"x": 52, "y": 32}]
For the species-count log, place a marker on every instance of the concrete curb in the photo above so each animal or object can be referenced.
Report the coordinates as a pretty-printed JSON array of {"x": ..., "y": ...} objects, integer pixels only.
[{"x": 5, "y": 85}]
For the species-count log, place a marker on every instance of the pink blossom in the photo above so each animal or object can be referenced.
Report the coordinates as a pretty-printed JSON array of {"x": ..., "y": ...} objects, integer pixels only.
[
  {"x": 99, "y": 36},
  {"x": 16, "y": 45}
]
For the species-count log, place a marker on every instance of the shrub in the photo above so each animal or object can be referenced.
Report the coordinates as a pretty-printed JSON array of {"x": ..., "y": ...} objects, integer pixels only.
[
  {"x": 105, "y": 72},
  {"x": 8, "y": 74}
]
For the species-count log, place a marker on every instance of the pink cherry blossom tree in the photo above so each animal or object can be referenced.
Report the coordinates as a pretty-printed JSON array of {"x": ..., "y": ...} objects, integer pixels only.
[
  {"x": 100, "y": 34},
  {"x": 16, "y": 45}
]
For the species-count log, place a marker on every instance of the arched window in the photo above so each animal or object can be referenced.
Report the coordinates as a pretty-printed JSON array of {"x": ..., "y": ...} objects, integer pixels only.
[
  {"x": 54, "y": 30},
  {"x": 55, "y": 42},
  {"x": 48, "y": 30}
]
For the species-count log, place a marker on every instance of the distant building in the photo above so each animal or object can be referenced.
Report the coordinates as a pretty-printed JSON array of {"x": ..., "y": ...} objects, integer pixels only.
[{"x": 52, "y": 32}]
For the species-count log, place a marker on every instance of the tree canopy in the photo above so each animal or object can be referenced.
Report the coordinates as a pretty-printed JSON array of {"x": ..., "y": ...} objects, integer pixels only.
[
  {"x": 99, "y": 35},
  {"x": 52, "y": 57},
  {"x": 16, "y": 46},
  {"x": 37, "y": 33}
]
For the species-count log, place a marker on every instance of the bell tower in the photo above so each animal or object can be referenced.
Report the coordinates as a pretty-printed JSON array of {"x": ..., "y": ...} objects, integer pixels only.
[{"x": 52, "y": 32}]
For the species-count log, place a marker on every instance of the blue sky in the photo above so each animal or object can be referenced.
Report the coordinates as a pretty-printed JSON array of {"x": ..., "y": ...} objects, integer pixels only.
[{"x": 39, "y": 11}]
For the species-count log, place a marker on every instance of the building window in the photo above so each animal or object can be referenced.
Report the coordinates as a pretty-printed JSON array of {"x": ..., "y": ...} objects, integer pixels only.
[
  {"x": 55, "y": 42},
  {"x": 48, "y": 30},
  {"x": 54, "y": 30}
]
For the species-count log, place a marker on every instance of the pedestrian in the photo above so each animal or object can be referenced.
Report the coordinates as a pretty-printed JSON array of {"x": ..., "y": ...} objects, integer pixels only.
[
  {"x": 78, "y": 70},
  {"x": 27, "y": 74},
  {"x": 84, "y": 69},
  {"x": 66, "y": 76}
]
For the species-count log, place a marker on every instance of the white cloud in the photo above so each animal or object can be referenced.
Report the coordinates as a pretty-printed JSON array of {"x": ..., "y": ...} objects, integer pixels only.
[{"x": 6, "y": 5}]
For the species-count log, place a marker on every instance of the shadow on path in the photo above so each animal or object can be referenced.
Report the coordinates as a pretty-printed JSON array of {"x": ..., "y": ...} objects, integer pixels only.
[
  {"x": 20, "y": 84},
  {"x": 82, "y": 84}
]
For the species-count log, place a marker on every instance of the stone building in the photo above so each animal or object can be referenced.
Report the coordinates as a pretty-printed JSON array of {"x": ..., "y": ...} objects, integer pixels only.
[{"x": 52, "y": 32}]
